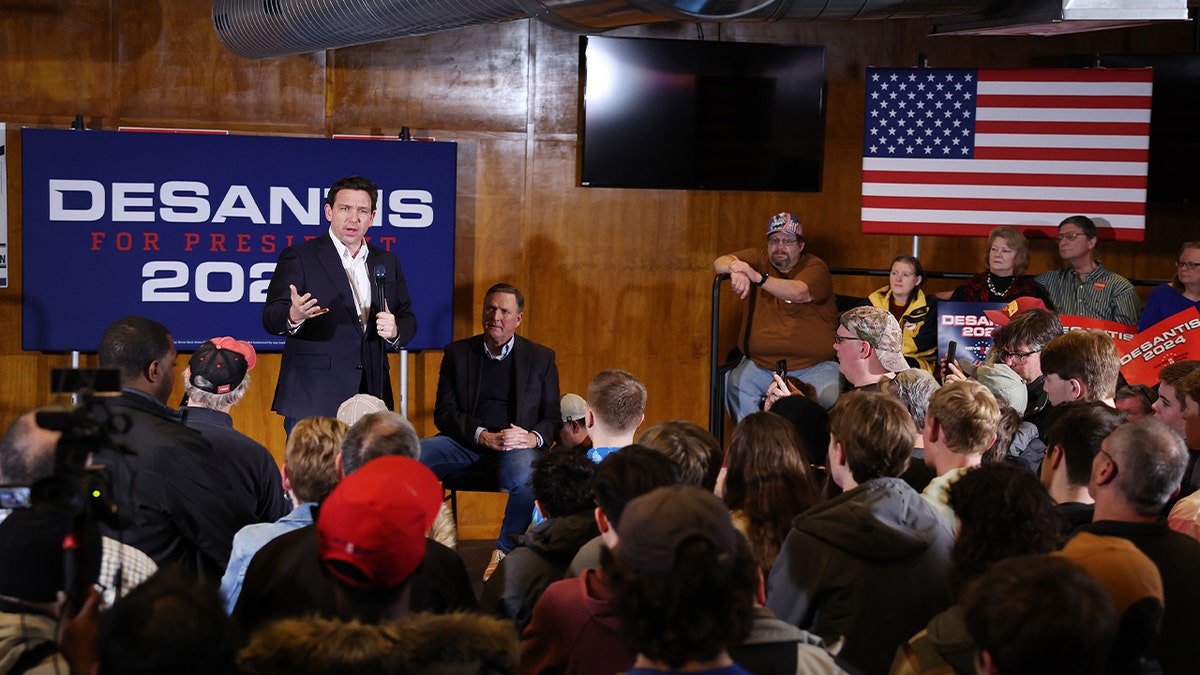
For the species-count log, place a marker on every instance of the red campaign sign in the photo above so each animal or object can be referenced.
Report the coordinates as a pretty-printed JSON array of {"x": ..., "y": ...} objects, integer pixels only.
[
  {"x": 1121, "y": 333},
  {"x": 1174, "y": 339}
]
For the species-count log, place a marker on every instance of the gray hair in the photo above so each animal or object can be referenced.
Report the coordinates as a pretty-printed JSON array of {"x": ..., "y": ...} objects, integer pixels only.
[
  {"x": 1150, "y": 459},
  {"x": 203, "y": 399},
  {"x": 914, "y": 387},
  {"x": 378, "y": 435}
]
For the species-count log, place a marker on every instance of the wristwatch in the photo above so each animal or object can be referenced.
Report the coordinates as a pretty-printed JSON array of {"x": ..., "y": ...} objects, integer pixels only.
[{"x": 761, "y": 280}]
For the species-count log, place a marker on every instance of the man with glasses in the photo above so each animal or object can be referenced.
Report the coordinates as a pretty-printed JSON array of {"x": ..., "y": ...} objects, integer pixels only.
[
  {"x": 790, "y": 314},
  {"x": 1018, "y": 344},
  {"x": 1084, "y": 287}
]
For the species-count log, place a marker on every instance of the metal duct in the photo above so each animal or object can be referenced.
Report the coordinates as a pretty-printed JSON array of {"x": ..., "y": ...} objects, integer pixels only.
[{"x": 261, "y": 29}]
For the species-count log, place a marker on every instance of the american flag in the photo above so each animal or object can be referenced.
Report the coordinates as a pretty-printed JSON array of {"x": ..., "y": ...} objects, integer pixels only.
[{"x": 960, "y": 151}]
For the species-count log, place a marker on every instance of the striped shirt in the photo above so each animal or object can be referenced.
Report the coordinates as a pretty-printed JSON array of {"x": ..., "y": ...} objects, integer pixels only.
[{"x": 1101, "y": 295}]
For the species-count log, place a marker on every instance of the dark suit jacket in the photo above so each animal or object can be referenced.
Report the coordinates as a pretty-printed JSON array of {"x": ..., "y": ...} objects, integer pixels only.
[
  {"x": 325, "y": 361},
  {"x": 458, "y": 389}
]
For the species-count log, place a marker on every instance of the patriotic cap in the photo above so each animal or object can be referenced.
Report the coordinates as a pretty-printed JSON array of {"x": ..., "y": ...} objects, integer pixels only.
[
  {"x": 219, "y": 365},
  {"x": 1001, "y": 316},
  {"x": 787, "y": 224}
]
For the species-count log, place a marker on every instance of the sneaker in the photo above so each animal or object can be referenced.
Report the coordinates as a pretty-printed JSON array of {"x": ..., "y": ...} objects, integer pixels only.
[{"x": 497, "y": 556}]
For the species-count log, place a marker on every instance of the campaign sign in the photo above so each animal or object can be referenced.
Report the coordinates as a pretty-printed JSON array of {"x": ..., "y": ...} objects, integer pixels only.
[
  {"x": 185, "y": 229},
  {"x": 966, "y": 324},
  {"x": 1121, "y": 333},
  {"x": 1174, "y": 339}
]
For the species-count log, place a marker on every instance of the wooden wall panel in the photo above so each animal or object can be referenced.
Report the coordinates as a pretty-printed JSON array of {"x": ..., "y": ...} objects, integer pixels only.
[{"x": 613, "y": 278}]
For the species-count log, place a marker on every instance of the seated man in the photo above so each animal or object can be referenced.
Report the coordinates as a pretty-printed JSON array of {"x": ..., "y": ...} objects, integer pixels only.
[
  {"x": 790, "y": 315},
  {"x": 959, "y": 427},
  {"x": 1081, "y": 365},
  {"x": 616, "y": 406},
  {"x": 1018, "y": 344},
  {"x": 574, "y": 433},
  {"x": 872, "y": 565},
  {"x": 497, "y": 407},
  {"x": 1084, "y": 286},
  {"x": 1072, "y": 443},
  {"x": 868, "y": 342}
]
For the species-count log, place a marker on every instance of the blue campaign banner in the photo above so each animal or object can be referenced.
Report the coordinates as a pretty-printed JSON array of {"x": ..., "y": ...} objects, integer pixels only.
[
  {"x": 185, "y": 229},
  {"x": 966, "y": 324}
]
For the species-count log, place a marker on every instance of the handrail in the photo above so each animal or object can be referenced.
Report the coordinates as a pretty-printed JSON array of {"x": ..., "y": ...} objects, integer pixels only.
[
  {"x": 716, "y": 385},
  {"x": 870, "y": 272}
]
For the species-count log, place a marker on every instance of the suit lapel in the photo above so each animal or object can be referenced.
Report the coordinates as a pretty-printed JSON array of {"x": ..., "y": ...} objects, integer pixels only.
[
  {"x": 327, "y": 253},
  {"x": 520, "y": 367}
]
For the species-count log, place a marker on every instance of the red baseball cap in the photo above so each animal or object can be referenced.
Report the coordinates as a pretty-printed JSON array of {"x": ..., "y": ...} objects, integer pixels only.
[
  {"x": 371, "y": 528},
  {"x": 1001, "y": 316}
]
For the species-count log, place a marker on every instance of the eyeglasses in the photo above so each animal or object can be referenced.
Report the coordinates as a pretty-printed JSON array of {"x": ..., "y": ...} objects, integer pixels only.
[
  {"x": 839, "y": 339},
  {"x": 782, "y": 241},
  {"x": 1187, "y": 265},
  {"x": 1070, "y": 236},
  {"x": 1019, "y": 356}
]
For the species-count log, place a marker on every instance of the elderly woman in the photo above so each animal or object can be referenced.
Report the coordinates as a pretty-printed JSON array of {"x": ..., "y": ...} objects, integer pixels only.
[
  {"x": 1183, "y": 291},
  {"x": 1004, "y": 277}
]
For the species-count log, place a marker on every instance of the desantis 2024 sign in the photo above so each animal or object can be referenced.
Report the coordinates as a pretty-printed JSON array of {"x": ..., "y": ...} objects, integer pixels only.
[{"x": 186, "y": 229}]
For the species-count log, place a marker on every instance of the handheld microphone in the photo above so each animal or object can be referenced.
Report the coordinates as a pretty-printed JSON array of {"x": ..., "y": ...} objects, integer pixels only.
[{"x": 380, "y": 273}]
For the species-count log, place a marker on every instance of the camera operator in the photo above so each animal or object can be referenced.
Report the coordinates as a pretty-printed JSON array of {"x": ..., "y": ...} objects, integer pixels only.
[{"x": 26, "y": 457}]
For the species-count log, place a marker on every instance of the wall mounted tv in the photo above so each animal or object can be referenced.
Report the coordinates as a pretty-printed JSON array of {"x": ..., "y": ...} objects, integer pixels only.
[{"x": 685, "y": 114}]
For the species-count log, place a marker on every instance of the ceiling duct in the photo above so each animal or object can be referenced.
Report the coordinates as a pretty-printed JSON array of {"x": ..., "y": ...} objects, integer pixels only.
[{"x": 261, "y": 29}]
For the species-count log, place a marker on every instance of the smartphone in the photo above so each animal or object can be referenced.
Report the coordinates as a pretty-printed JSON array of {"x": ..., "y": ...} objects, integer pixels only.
[
  {"x": 950, "y": 352},
  {"x": 781, "y": 367}
]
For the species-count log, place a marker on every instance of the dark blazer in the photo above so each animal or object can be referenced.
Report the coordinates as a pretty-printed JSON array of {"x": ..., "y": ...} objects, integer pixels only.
[
  {"x": 325, "y": 361},
  {"x": 458, "y": 389}
]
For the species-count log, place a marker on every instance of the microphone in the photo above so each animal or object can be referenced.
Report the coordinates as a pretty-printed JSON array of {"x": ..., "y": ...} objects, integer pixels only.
[{"x": 380, "y": 273}]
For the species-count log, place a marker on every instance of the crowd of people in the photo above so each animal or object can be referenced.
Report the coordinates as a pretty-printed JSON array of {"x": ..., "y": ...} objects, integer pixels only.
[{"x": 875, "y": 511}]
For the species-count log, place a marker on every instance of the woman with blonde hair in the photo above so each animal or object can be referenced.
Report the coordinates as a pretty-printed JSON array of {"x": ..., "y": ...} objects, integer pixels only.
[
  {"x": 1183, "y": 291},
  {"x": 768, "y": 482},
  {"x": 1003, "y": 278}
]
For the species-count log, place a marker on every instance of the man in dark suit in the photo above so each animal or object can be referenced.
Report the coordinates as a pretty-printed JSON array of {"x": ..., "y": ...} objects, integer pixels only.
[
  {"x": 325, "y": 297},
  {"x": 498, "y": 407}
]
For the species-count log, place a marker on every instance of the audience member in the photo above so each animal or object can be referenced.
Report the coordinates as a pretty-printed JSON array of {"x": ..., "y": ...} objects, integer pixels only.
[
  {"x": 1136, "y": 401},
  {"x": 1039, "y": 615},
  {"x": 868, "y": 342},
  {"x": 1185, "y": 514},
  {"x": 310, "y": 471},
  {"x": 959, "y": 427},
  {"x": 811, "y": 423},
  {"x": 767, "y": 483},
  {"x": 789, "y": 315},
  {"x": 176, "y": 490},
  {"x": 216, "y": 379},
  {"x": 1003, "y": 278},
  {"x": 547, "y": 548},
  {"x": 574, "y": 433},
  {"x": 1182, "y": 293},
  {"x": 1022, "y": 444},
  {"x": 1134, "y": 476},
  {"x": 683, "y": 586},
  {"x": 1018, "y": 344},
  {"x": 34, "y": 578},
  {"x": 913, "y": 310},
  {"x": 1006, "y": 431},
  {"x": 573, "y": 629},
  {"x": 1081, "y": 365},
  {"x": 878, "y": 545},
  {"x": 1002, "y": 511},
  {"x": 1135, "y": 586},
  {"x": 420, "y": 644},
  {"x": 371, "y": 536},
  {"x": 27, "y": 455},
  {"x": 697, "y": 454},
  {"x": 1084, "y": 287},
  {"x": 1169, "y": 407},
  {"x": 616, "y": 406},
  {"x": 913, "y": 387},
  {"x": 496, "y": 410},
  {"x": 359, "y": 406},
  {"x": 286, "y": 578},
  {"x": 1072, "y": 442},
  {"x": 173, "y": 623}
]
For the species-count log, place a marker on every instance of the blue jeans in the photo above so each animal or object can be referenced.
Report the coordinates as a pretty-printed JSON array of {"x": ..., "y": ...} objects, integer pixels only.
[
  {"x": 444, "y": 455},
  {"x": 747, "y": 384}
]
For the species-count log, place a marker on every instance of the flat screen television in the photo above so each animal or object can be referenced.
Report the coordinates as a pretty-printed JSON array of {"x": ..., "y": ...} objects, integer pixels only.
[{"x": 694, "y": 115}]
